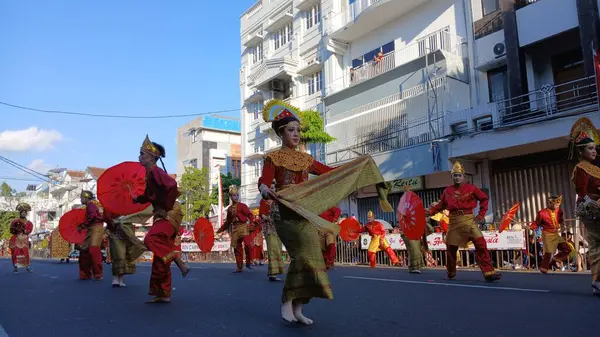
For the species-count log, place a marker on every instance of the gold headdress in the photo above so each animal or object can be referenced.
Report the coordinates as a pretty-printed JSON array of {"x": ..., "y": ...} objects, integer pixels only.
[
  {"x": 555, "y": 198},
  {"x": 370, "y": 214},
  {"x": 583, "y": 133},
  {"x": 87, "y": 194},
  {"x": 457, "y": 168},
  {"x": 280, "y": 114},
  {"x": 233, "y": 189},
  {"x": 150, "y": 148},
  {"x": 23, "y": 206}
]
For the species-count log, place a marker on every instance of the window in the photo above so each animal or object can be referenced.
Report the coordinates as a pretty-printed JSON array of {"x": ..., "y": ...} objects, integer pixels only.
[
  {"x": 255, "y": 108},
  {"x": 313, "y": 16},
  {"x": 191, "y": 163},
  {"x": 315, "y": 82},
  {"x": 194, "y": 136},
  {"x": 236, "y": 168},
  {"x": 489, "y": 6},
  {"x": 256, "y": 54},
  {"x": 283, "y": 36}
]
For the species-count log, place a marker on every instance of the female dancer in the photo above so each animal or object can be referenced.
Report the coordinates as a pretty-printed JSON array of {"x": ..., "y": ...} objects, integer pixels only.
[
  {"x": 586, "y": 177},
  {"x": 307, "y": 276}
]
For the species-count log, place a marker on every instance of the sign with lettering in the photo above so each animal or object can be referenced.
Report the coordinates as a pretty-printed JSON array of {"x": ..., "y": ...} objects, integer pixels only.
[{"x": 413, "y": 183}]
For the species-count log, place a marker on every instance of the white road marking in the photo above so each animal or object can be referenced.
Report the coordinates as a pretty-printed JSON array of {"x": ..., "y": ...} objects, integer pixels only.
[
  {"x": 2, "y": 332},
  {"x": 448, "y": 284}
]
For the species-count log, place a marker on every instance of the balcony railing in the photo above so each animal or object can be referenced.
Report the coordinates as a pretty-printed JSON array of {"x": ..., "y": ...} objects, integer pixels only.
[
  {"x": 394, "y": 122},
  {"x": 523, "y": 3},
  {"x": 548, "y": 102},
  {"x": 488, "y": 25},
  {"x": 438, "y": 41}
]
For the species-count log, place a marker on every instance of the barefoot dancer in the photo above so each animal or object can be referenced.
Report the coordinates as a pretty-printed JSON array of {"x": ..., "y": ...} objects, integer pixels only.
[
  {"x": 19, "y": 242},
  {"x": 307, "y": 277},
  {"x": 90, "y": 255}
]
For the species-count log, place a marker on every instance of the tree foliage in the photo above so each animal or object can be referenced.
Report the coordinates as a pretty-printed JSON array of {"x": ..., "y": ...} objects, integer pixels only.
[
  {"x": 7, "y": 191},
  {"x": 195, "y": 189},
  {"x": 6, "y": 217},
  {"x": 312, "y": 128},
  {"x": 226, "y": 181}
]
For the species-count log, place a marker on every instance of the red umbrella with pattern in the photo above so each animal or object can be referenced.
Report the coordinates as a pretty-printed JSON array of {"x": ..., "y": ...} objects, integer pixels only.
[
  {"x": 411, "y": 215},
  {"x": 204, "y": 235},
  {"x": 68, "y": 226},
  {"x": 349, "y": 229},
  {"x": 118, "y": 185}
]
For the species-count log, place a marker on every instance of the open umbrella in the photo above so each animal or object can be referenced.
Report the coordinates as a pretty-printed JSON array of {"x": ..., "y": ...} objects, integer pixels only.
[
  {"x": 385, "y": 224},
  {"x": 68, "y": 224},
  {"x": 349, "y": 229},
  {"x": 411, "y": 215},
  {"x": 119, "y": 184},
  {"x": 508, "y": 217},
  {"x": 204, "y": 235}
]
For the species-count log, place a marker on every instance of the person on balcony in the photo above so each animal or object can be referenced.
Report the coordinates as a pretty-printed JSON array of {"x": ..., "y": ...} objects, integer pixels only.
[
  {"x": 18, "y": 244},
  {"x": 584, "y": 139},
  {"x": 378, "y": 241},
  {"x": 551, "y": 220},
  {"x": 460, "y": 199}
]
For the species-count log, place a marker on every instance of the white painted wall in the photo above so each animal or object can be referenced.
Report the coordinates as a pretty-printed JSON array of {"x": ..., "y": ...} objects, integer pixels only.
[{"x": 546, "y": 18}]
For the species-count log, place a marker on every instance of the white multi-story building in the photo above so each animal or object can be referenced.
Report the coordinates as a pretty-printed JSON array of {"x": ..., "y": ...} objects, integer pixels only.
[
  {"x": 420, "y": 83},
  {"x": 282, "y": 58}
]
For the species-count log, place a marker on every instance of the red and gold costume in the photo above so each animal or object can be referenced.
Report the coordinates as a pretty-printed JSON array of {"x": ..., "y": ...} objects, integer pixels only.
[
  {"x": 90, "y": 254},
  {"x": 257, "y": 238},
  {"x": 19, "y": 242},
  {"x": 237, "y": 221},
  {"x": 586, "y": 177},
  {"x": 460, "y": 202},
  {"x": 177, "y": 242},
  {"x": 274, "y": 245},
  {"x": 161, "y": 191},
  {"x": 378, "y": 241},
  {"x": 551, "y": 220},
  {"x": 328, "y": 239}
]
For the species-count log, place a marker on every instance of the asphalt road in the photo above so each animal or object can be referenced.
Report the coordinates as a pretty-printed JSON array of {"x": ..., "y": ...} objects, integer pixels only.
[{"x": 212, "y": 301}]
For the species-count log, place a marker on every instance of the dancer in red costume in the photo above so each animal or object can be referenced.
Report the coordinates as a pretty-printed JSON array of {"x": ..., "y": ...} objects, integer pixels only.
[
  {"x": 19, "y": 242},
  {"x": 90, "y": 255},
  {"x": 328, "y": 239},
  {"x": 460, "y": 199},
  {"x": 161, "y": 191},
  {"x": 551, "y": 219},
  {"x": 238, "y": 217},
  {"x": 378, "y": 241}
]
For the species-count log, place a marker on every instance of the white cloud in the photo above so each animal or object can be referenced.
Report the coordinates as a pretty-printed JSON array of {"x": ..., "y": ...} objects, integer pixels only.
[
  {"x": 29, "y": 139},
  {"x": 40, "y": 166}
]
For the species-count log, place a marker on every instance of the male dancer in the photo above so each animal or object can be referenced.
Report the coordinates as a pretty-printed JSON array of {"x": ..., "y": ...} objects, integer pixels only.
[
  {"x": 378, "y": 240},
  {"x": 550, "y": 220},
  {"x": 460, "y": 199},
  {"x": 90, "y": 255},
  {"x": 238, "y": 216},
  {"x": 161, "y": 191},
  {"x": 19, "y": 242},
  {"x": 328, "y": 239}
]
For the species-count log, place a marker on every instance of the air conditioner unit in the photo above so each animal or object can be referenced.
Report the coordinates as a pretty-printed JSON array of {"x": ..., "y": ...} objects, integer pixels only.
[{"x": 499, "y": 49}]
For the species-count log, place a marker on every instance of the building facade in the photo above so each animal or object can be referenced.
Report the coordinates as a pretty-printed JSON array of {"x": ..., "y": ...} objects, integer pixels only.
[
  {"x": 210, "y": 142},
  {"x": 282, "y": 58},
  {"x": 418, "y": 84}
]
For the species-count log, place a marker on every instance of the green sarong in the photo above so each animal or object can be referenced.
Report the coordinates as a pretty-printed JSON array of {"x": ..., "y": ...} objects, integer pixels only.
[{"x": 125, "y": 249}]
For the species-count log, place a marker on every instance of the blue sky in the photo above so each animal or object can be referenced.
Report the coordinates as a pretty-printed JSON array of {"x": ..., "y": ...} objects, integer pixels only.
[{"x": 138, "y": 58}]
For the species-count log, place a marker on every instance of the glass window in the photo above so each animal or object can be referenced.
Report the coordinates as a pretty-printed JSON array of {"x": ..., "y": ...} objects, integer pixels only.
[
  {"x": 498, "y": 84},
  {"x": 489, "y": 6},
  {"x": 315, "y": 82},
  {"x": 283, "y": 36},
  {"x": 313, "y": 16}
]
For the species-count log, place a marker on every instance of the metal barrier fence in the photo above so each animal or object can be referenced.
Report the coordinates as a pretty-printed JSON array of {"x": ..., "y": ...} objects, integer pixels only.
[{"x": 350, "y": 253}]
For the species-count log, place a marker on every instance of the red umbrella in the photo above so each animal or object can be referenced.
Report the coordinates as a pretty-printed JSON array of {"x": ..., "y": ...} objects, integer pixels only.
[
  {"x": 349, "y": 229},
  {"x": 508, "y": 217},
  {"x": 118, "y": 185},
  {"x": 411, "y": 215},
  {"x": 204, "y": 235},
  {"x": 68, "y": 224}
]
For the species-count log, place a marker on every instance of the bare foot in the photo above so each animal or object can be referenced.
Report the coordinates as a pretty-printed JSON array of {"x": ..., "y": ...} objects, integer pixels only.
[
  {"x": 121, "y": 279},
  {"x": 287, "y": 312},
  {"x": 297, "y": 309},
  {"x": 159, "y": 300},
  {"x": 186, "y": 270}
]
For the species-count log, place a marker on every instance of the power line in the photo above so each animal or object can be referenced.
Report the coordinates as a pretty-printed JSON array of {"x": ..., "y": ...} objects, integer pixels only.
[
  {"x": 20, "y": 179},
  {"x": 60, "y": 112}
]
